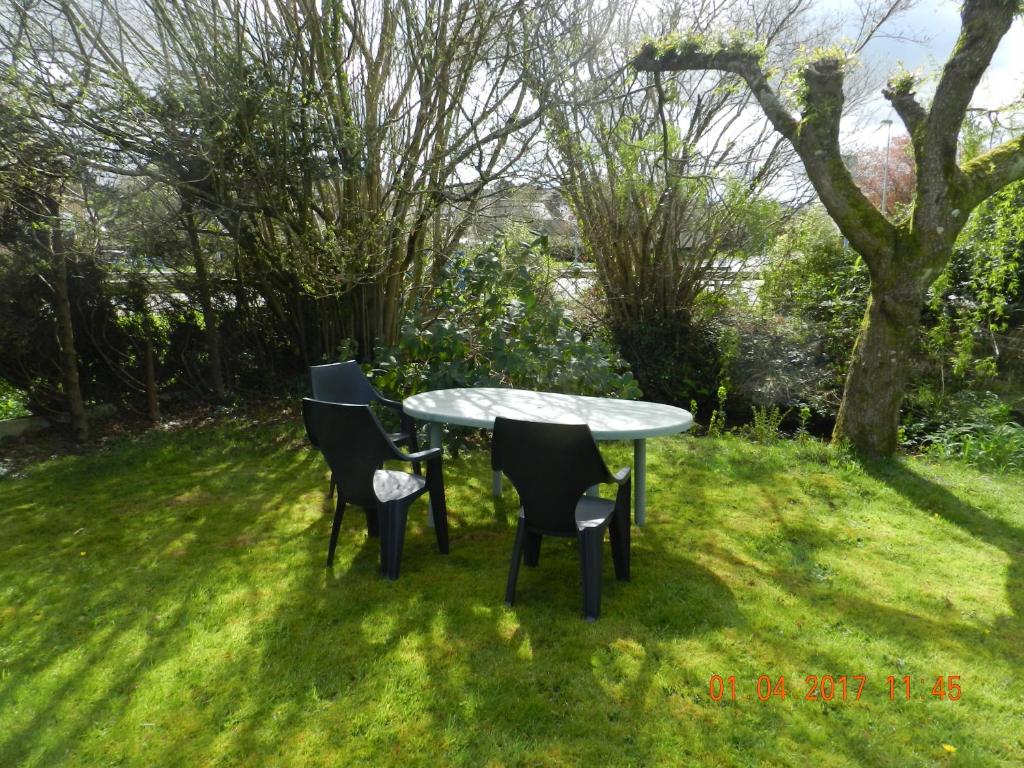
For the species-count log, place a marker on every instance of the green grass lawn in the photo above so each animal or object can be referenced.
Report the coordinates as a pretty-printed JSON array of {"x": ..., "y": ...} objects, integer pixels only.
[{"x": 165, "y": 602}]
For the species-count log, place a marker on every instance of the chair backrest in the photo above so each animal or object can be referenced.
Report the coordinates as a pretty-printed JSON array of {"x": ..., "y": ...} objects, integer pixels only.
[
  {"x": 342, "y": 383},
  {"x": 353, "y": 443},
  {"x": 550, "y": 465}
]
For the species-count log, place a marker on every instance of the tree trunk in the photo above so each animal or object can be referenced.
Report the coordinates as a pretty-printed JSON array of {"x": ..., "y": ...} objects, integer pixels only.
[
  {"x": 152, "y": 399},
  {"x": 870, "y": 411},
  {"x": 65, "y": 329},
  {"x": 204, "y": 292}
]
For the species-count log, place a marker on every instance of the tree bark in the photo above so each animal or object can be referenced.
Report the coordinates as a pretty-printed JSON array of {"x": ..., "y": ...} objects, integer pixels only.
[
  {"x": 204, "y": 294},
  {"x": 876, "y": 380},
  {"x": 152, "y": 399},
  {"x": 65, "y": 328}
]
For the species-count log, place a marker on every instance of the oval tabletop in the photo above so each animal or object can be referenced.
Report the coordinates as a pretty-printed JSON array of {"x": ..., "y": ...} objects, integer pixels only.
[{"x": 608, "y": 418}]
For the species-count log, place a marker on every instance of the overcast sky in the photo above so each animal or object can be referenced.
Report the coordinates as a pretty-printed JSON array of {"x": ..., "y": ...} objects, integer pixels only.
[{"x": 938, "y": 22}]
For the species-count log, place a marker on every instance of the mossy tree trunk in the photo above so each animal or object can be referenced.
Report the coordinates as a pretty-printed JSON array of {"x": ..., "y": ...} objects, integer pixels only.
[
  {"x": 902, "y": 259},
  {"x": 877, "y": 376}
]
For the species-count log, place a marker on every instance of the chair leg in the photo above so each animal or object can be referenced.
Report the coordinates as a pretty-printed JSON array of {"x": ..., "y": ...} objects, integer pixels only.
[
  {"x": 333, "y": 486},
  {"x": 513, "y": 569},
  {"x": 590, "y": 569},
  {"x": 372, "y": 521},
  {"x": 620, "y": 533},
  {"x": 339, "y": 511},
  {"x": 532, "y": 554},
  {"x": 393, "y": 518},
  {"x": 438, "y": 505}
]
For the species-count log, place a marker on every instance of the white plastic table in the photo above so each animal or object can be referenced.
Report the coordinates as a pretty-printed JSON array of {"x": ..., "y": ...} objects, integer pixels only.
[{"x": 608, "y": 419}]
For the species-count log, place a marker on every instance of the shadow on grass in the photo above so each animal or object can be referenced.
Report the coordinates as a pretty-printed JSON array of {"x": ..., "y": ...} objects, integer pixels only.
[
  {"x": 120, "y": 654},
  {"x": 106, "y": 578},
  {"x": 202, "y": 627},
  {"x": 877, "y": 630},
  {"x": 437, "y": 658},
  {"x": 931, "y": 498}
]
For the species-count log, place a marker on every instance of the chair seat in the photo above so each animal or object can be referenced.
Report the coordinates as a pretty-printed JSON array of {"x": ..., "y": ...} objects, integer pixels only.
[
  {"x": 592, "y": 512},
  {"x": 389, "y": 485}
]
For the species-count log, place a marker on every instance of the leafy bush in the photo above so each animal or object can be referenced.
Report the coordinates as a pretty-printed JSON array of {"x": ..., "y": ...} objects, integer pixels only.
[
  {"x": 495, "y": 320},
  {"x": 813, "y": 294},
  {"x": 978, "y": 301},
  {"x": 30, "y": 353},
  {"x": 676, "y": 356},
  {"x": 977, "y": 428},
  {"x": 778, "y": 363},
  {"x": 12, "y": 402}
]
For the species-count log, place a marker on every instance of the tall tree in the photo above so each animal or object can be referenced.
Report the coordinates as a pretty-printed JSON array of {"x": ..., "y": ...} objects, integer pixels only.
[
  {"x": 903, "y": 259},
  {"x": 35, "y": 171},
  {"x": 340, "y": 144},
  {"x": 666, "y": 183}
]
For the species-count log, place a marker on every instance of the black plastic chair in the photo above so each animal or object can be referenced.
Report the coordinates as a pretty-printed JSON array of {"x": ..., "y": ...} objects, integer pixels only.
[
  {"x": 346, "y": 383},
  {"x": 356, "y": 446},
  {"x": 551, "y": 467}
]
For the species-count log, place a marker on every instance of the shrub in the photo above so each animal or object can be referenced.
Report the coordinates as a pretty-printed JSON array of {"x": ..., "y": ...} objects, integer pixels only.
[
  {"x": 975, "y": 427},
  {"x": 812, "y": 298},
  {"x": 30, "y": 356},
  {"x": 676, "y": 356},
  {"x": 977, "y": 303},
  {"x": 764, "y": 426},
  {"x": 778, "y": 362},
  {"x": 495, "y": 320},
  {"x": 12, "y": 402}
]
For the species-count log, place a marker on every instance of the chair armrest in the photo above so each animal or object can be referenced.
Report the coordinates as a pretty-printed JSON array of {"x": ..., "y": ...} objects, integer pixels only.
[
  {"x": 405, "y": 420},
  {"x": 427, "y": 455},
  {"x": 619, "y": 477}
]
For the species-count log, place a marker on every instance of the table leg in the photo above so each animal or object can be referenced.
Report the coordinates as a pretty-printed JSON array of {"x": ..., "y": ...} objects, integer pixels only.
[
  {"x": 496, "y": 484},
  {"x": 434, "y": 432},
  {"x": 640, "y": 481}
]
